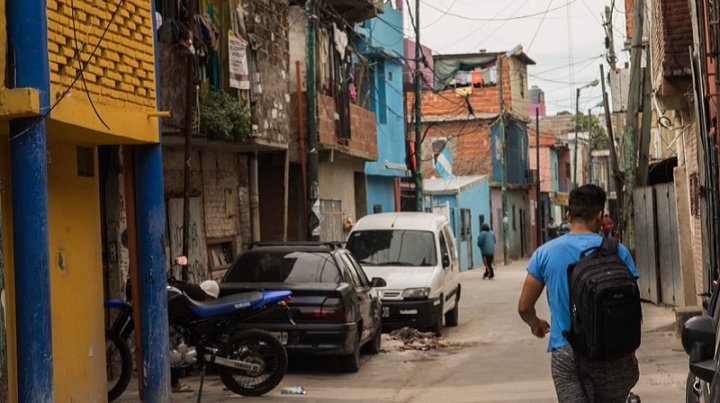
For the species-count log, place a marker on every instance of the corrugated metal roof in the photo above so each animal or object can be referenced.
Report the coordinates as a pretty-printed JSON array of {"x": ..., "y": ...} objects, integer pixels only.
[{"x": 451, "y": 186}]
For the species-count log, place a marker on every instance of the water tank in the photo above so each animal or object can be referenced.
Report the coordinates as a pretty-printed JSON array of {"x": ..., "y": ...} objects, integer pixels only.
[{"x": 537, "y": 96}]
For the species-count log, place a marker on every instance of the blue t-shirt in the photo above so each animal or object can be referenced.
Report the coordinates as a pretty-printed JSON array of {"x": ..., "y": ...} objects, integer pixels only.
[{"x": 549, "y": 266}]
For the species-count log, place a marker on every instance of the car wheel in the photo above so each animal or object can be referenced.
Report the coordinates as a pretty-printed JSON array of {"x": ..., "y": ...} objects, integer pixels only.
[
  {"x": 373, "y": 346},
  {"x": 351, "y": 363},
  {"x": 437, "y": 328},
  {"x": 691, "y": 394},
  {"x": 451, "y": 318}
]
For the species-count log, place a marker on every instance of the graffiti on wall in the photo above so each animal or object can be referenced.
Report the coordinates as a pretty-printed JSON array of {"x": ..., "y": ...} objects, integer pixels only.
[{"x": 197, "y": 246}]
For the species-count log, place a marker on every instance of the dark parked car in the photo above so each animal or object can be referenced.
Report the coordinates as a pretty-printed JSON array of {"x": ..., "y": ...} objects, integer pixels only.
[
  {"x": 334, "y": 305},
  {"x": 700, "y": 337}
]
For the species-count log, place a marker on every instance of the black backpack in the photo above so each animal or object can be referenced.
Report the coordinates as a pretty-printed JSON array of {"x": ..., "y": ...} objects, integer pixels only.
[{"x": 605, "y": 310}]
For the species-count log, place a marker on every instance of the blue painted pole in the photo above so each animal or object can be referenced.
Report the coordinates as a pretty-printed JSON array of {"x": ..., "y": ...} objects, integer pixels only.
[
  {"x": 150, "y": 202},
  {"x": 30, "y": 203},
  {"x": 151, "y": 265}
]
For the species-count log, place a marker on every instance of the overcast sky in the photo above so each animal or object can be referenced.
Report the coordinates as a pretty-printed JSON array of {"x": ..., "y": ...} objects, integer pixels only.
[{"x": 465, "y": 26}]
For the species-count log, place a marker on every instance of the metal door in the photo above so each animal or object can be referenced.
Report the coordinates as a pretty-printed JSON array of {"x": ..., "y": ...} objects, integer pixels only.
[{"x": 645, "y": 244}]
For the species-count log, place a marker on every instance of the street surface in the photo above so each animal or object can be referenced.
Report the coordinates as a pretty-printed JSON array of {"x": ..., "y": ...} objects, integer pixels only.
[{"x": 492, "y": 358}]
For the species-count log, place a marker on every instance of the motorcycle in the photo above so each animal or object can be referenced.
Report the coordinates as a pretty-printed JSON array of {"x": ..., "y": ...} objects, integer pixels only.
[{"x": 203, "y": 334}]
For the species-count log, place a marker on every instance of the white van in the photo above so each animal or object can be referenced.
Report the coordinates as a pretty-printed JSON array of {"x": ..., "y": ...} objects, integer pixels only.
[{"x": 415, "y": 254}]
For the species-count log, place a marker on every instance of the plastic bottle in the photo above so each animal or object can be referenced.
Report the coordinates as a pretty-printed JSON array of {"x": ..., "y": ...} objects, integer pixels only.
[{"x": 295, "y": 390}]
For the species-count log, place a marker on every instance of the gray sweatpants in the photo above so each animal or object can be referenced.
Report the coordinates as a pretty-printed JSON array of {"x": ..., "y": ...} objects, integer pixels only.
[{"x": 605, "y": 382}]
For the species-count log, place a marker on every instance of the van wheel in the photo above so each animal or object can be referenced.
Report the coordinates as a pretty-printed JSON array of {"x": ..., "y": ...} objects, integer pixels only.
[
  {"x": 437, "y": 328},
  {"x": 451, "y": 318}
]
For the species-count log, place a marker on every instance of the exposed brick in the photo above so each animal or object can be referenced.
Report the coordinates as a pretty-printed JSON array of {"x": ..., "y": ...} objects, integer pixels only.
[{"x": 129, "y": 43}]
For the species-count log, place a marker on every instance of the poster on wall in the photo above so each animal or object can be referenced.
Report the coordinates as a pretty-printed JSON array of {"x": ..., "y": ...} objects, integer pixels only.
[{"x": 239, "y": 72}]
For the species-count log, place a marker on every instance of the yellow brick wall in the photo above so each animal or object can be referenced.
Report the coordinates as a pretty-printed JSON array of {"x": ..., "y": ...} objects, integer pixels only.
[{"x": 122, "y": 72}]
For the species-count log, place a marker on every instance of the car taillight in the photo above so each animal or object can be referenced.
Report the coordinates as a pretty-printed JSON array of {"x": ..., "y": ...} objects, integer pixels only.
[{"x": 332, "y": 308}]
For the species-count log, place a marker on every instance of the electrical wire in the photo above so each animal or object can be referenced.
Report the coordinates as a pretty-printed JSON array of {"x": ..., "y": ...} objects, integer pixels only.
[
  {"x": 75, "y": 80},
  {"x": 441, "y": 16},
  {"x": 80, "y": 65},
  {"x": 491, "y": 34},
  {"x": 480, "y": 27},
  {"x": 517, "y": 17},
  {"x": 542, "y": 21}
]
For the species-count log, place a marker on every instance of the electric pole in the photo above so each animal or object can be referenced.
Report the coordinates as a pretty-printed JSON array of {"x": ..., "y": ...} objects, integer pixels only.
[
  {"x": 189, "y": 102},
  {"x": 609, "y": 38},
  {"x": 631, "y": 131},
  {"x": 313, "y": 161},
  {"x": 538, "y": 210},
  {"x": 617, "y": 179},
  {"x": 418, "y": 113},
  {"x": 644, "y": 144},
  {"x": 577, "y": 127},
  {"x": 503, "y": 163}
]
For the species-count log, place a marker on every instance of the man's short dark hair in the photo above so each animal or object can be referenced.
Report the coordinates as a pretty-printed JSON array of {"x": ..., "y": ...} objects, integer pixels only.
[{"x": 587, "y": 201}]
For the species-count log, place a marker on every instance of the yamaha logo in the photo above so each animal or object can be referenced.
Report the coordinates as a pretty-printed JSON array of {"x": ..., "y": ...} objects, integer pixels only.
[{"x": 241, "y": 305}]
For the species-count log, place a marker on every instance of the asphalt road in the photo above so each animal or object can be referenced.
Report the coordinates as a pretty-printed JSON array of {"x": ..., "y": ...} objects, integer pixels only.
[{"x": 493, "y": 358}]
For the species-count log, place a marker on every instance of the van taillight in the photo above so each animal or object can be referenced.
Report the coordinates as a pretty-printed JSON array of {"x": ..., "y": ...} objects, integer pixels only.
[{"x": 332, "y": 308}]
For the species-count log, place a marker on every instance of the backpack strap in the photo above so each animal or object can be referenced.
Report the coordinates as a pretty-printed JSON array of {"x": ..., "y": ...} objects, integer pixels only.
[{"x": 609, "y": 246}]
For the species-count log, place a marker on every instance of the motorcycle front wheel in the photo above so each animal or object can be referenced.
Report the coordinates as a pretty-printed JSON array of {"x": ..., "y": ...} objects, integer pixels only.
[{"x": 256, "y": 347}]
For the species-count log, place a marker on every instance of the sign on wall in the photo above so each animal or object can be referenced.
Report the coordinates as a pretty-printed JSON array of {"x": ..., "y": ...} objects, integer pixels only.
[
  {"x": 562, "y": 199},
  {"x": 239, "y": 72}
]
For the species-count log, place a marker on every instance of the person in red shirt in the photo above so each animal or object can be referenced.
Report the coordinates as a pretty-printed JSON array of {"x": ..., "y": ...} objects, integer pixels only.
[{"x": 607, "y": 225}]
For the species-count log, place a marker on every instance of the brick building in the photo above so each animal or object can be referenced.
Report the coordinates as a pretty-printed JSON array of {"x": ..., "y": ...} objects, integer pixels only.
[
  {"x": 463, "y": 110},
  {"x": 669, "y": 27},
  {"x": 547, "y": 176},
  {"x": 347, "y": 132}
]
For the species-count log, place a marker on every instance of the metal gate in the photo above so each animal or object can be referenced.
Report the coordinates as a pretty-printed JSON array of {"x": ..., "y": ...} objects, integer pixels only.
[{"x": 657, "y": 250}]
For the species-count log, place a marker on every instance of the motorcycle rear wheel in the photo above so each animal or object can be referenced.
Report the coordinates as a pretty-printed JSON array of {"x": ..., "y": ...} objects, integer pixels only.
[
  {"x": 257, "y": 347},
  {"x": 119, "y": 365}
]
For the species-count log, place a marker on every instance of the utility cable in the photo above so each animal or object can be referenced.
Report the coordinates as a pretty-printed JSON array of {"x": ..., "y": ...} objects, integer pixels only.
[
  {"x": 80, "y": 65},
  {"x": 517, "y": 17},
  {"x": 542, "y": 21}
]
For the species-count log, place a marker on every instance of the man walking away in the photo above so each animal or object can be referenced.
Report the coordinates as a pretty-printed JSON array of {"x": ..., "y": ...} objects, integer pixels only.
[
  {"x": 486, "y": 242},
  {"x": 576, "y": 378}
]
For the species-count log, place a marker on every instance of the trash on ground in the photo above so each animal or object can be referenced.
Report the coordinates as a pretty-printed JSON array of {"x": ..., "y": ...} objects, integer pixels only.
[
  {"x": 408, "y": 338},
  {"x": 295, "y": 390}
]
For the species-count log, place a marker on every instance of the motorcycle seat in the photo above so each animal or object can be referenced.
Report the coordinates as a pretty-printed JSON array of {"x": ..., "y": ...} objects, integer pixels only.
[{"x": 224, "y": 305}]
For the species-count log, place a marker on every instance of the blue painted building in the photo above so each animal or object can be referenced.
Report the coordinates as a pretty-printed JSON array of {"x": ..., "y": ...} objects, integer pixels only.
[
  {"x": 381, "y": 42},
  {"x": 465, "y": 200}
]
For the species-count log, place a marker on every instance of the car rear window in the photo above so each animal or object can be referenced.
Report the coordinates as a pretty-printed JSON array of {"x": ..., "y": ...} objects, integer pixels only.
[
  {"x": 393, "y": 248},
  {"x": 284, "y": 267}
]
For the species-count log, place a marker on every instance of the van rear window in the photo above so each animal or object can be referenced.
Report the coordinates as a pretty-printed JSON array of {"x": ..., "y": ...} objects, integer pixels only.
[{"x": 393, "y": 248}]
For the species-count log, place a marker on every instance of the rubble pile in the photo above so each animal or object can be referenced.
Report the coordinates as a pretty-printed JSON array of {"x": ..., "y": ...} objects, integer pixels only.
[{"x": 412, "y": 339}]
